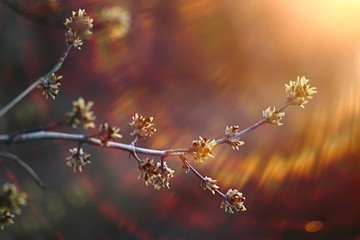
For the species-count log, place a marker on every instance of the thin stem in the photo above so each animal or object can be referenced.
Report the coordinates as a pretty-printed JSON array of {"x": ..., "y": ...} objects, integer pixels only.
[
  {"x": 195, "y": 171},
  {"x": 192, "y": 169},
  {"x": 60, "y": 61},
  {"x": 4, "y": 138},
  {"x": 135, "y": 140},
  {"x": 177, "y": 152},
  {"x": 135, "y": 156},
  {"x": 221, "y": 194},
  {"x": 19, "y": 97},
  {"x": 134, "y": 152},
  {"x": 243, "y": 132},
  {"x": 249, "y": 129},
  {"x": 171, "y": 151},
  {"x": 36, "y": 83},
  {"x": 284, "y": 106},
  {"x": 78, "y": 148},
  {"x": 25, "y": 166},
  {"x": 162, "y": 164}
]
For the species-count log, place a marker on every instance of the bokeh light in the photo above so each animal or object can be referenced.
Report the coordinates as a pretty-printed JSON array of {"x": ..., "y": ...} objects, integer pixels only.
[{"x": 314, "y": 226}]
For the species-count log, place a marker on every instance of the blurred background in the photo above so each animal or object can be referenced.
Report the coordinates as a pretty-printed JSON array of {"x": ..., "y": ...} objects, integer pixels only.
[{"x": 196, "y": 67}]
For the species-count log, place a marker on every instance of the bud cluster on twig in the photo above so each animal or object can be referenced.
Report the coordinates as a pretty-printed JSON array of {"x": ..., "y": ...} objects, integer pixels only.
[{"x": 11, "y": 201}]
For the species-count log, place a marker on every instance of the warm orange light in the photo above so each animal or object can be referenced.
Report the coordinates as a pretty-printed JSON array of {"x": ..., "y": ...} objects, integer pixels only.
[{"x": 314, "y": 226}]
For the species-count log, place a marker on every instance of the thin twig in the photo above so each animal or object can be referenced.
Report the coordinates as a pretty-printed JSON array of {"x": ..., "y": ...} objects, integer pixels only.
[
  {"x": 243, "y": 132},
  {"x": 25, "y": 166},
  {"x": 4, "y": 138},
  {"x": 284, "y": 106},
  {"x": 249, "y": 129},
  {"x": 60, "y": 61},
  {"x": 162, "y": 163},
  {"x": 36, "y": 83},
  {"x": 19, "y": 97},
  {"x": 135, "y": 156},
  {"x": 193, "y": 170},
  {"x": 135, "y": 140},
  {"x": 176, "y": 151},
  {"x": 134, "y": 152}
]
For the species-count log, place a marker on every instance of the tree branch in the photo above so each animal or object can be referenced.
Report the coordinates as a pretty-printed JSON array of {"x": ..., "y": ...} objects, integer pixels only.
[
  {"x": 25, "y": 137},
  {"x": 18, "y": 98},
  {"x": 25, "y": 166}
]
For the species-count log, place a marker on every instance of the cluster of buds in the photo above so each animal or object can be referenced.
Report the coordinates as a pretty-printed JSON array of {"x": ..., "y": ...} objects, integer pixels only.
[
  {"x": 209, "y": 184},
  {"x": 156, "y": 174},
  {"x": 10, "y": 201},
  {"x": 298, "y": 92},
  {"x": 79, "y": 28},
  {"x": 163, "y": 178},
  {"x": 234, "y": 201},
  {"x": 143, "y": 127},
  {"x": 116, "y": 21},
  {"x": 77, "y": 159},
  {"x": 273, "y": 116},
  {"x": 81, "y": 114},
  {"x": 51, "y": 85},
  {"x": 230, "y": 132},
  {"x": 108, "y": 134},
  {"x": 6, "y": 218},
  {"x": 202, "y": 149}
]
